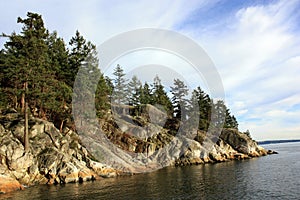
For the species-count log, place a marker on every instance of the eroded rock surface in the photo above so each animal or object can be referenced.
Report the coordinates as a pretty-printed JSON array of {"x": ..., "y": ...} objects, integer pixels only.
[
  {"x": 54, "y": 157},
  {"x": 123, "y": 144}
]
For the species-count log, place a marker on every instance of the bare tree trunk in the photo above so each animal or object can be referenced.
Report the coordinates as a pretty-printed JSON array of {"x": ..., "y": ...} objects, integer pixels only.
[
  {"x": 23, "y": 98},
  {"x": 61, "y": 126},
  {"x": 26, "y": 138},
  {"x": 16, "y": 102}
]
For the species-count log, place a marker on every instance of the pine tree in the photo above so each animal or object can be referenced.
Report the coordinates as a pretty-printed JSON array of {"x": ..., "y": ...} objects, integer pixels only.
[
  {"x": 230, "y": 120},
  {"x": 219, "y": 117},
  {"x": 134, "y": 91},
  {"x": 193, "y": 110},
  {"x": 145, "y": 94},
  {"x": 26, "y": 66},
  {"x": 80, "y": 49},
  {"x": 4, "y": 98},
  {"x": 120, "y": 93},
  {"x": 204, "y": 107},
  {"x": 110, "y": 86},
  {"x": 102, "y": 97},
  {"x": 86, "y": 88},
  {"x": 160, "y": 97},
  {"x": 58, "y": 56},
  {"x": 61, "y": 101},
  {"x": 180, "y": 91},
  {"x": 235, "y": 123}
]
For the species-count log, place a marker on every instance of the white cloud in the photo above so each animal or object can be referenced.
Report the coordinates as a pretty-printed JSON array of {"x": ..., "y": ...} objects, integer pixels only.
[
  {"x": 99, "y": 20},
  {"x": 257, "y": 54}
]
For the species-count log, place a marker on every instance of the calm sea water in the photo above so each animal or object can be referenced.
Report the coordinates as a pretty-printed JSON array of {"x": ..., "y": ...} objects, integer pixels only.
[{"x": 270, "y": 177}]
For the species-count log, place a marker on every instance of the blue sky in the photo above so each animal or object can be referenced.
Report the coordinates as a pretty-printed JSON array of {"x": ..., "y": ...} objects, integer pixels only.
[{"x": 254, "y": 44}]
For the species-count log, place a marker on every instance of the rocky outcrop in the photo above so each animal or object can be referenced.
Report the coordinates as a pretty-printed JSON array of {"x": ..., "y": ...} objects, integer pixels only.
[
  {"x": 8, "y": 184},
  {"x": 231, "y": 145},
  {"x": 138, "y": 134},
  {"x": 54, "y": 157},
  {"x": 129, "y": 144}
]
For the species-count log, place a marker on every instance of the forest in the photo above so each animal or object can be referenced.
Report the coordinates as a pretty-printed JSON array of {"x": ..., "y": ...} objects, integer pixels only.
[{"x": 38, "y": 70}]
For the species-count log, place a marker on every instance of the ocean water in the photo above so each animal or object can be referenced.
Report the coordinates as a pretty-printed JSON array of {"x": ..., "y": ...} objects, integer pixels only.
[{"x": 269, "y": 177}]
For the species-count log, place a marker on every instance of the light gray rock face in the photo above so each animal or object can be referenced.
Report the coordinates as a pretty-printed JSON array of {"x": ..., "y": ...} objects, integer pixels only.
[
  {"x": 54, "y": 157},
  {"x": 130, "y": 144},
  {"x": 137, "y": 145}
]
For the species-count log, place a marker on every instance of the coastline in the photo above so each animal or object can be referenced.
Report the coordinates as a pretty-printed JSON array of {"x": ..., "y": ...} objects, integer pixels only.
[{"x": 60, "y": 158}]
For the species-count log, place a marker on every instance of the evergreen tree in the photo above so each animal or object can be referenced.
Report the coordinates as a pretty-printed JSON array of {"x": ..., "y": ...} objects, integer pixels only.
[
  {"x": 26, "y": 67},
  {"x": 180, "y": 91},
  {"x": 58, "y": 59},
  {"x": 235, "y": 123},
  {"x": 38, "y": 71},
  {"x": 110, "y": 86},
  {"x": 204, "y": 107},
  {"x": 4, "y": 98},
  {"x": 120, "y": 93},
  {"x": 102, "y": 96},
  {"x": 58, "y": 56},
  {"x": 219, "y": 108},
  {"x": 87, "y": 91},
  {"x": 193, "y": 110},
  {"x": 80, "y": 49},
  {"x": 230, "y": 120},
  {"x": 160, "y": 97},
  {"x": 145, "y": 94},
  {"x": 134, "y": 91}
]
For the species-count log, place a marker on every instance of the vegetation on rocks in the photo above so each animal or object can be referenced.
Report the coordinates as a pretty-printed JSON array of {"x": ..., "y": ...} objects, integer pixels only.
[{"x": 39, "y": 141}]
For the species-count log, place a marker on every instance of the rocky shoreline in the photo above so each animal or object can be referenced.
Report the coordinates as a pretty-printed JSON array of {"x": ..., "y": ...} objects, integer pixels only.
[
  {"x": 54, "y": 157},
  {"x": 59, "y": 157}
]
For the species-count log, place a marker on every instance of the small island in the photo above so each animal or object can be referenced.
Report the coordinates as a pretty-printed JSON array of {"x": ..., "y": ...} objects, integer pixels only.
[{"x": 39, "y": 139}]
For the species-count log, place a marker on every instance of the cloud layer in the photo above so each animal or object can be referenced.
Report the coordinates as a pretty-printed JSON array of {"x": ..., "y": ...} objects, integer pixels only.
[{"x": 257, "y": 53}]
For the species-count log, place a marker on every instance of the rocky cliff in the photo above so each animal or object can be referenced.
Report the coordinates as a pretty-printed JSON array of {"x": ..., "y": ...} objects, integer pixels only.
[
  {"x": 160, "y": 146},
  {"x": 61, "y": 157},
  {"x": 54, "y": 157}
]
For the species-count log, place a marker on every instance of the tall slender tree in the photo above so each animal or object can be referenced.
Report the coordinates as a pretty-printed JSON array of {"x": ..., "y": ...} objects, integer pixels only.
[
  {"x": 133, "y": 91},
  {"x": 230, "y": 120},
  {"x": 102, "y": 96},
  {"x": 120, "y": 93},
  {"x": 80, "y": 48},
  {"x": 179, "y": 100},
  {"x": 219, "y": 109},
  {"x": 160, "y": 96},
  {"x": 145, "y": 94},
  {"x": 203, "y": 106},
  {"x": 87, "y": 90},
  {"x": 26, "y": 65}
]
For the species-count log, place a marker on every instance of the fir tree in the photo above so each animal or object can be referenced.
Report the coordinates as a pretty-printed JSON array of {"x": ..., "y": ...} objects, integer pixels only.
[
  {"x": 204, "y": 107},
  {"x": 219, "y": 117},
  {"x": 27, "y": 68},
  {"x": 134, "y": 91},
  {"x": 179, "y": 91},
  {"x": 145, "y": 94},
  {"x": 120, "y": 93},
  {"x": 80, "y": 49},
  {"x": 160, "y": 97}
]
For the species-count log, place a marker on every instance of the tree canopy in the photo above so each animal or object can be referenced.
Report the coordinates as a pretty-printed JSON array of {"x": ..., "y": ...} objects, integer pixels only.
[{"x": 38, "y": 71}]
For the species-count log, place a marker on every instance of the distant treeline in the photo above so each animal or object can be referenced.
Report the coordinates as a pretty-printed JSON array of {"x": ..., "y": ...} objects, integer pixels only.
[
  {"x": 38, "y": 71},
  {"x": 276, "y": 141}
]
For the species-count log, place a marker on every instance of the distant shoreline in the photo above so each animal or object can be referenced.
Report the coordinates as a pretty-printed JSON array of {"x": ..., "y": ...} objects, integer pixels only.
[{"x": 276, "y": 141}]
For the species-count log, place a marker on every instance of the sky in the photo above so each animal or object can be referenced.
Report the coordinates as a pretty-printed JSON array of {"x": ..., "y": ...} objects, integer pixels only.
[{"x": 254, "y": 45}]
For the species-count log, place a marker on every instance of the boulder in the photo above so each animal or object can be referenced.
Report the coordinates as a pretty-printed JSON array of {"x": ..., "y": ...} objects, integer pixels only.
[
  {"x": 54, "y": 157},
  {"x": 9, "y": 184}
]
